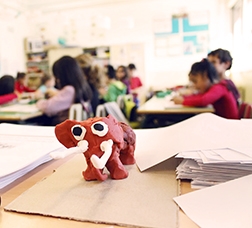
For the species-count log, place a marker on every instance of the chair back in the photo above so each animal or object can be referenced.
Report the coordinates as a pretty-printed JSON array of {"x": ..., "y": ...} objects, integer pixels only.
[
  {"x": 76, "y": 112},
  {"x": 245, "y": 111},
  {"x": 101, "y": 111},
  {"x": 121, "y": 100},
  {"x": 111, "y": 108}
]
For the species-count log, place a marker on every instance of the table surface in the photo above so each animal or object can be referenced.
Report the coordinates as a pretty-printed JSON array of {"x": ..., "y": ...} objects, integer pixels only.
[
  {"x": 10, "y": 192},
  {"x": 19, "y": 112},
  {"x": 163, "y": 105}
]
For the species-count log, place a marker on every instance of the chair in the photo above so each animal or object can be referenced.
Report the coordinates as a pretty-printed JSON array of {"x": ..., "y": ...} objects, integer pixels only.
[
  {"x": 121, "y": 100},
  {"x": 101, "y": 111},
  {"x": 112, "y": 108},
  {"x": 245, "y": 111},
  {"x": 76, "y": 112}
]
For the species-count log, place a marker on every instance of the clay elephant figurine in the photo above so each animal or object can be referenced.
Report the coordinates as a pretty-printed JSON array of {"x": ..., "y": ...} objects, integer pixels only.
[{"x": 104, "y": 141}]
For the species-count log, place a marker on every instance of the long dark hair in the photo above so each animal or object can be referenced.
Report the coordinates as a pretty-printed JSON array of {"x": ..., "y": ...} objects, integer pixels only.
[
  {"x": 204, "y": 67},
  {"x": 7, "y": 84},
  {"x": 125, "y": 71},
  {"x": 67, "y": 72}
]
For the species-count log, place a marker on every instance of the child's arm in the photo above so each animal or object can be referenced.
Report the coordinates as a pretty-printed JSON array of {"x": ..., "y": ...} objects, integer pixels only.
[
  {"x": 209, "y": 97},
  {"x": 7, "y": 98}
]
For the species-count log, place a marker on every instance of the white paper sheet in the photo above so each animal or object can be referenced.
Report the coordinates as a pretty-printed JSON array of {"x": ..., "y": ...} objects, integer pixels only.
[
  {"x": 26, "y": 108},
  {"x": 226, "y": 205},
  {"x": 201, "y": 132},
  {"x": 22, "y": 148}
]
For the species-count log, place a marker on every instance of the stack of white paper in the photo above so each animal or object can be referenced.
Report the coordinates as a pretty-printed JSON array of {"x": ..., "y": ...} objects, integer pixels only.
[
  {"x": 210, "y": 167},
  {"x": 22, "y": 148}
]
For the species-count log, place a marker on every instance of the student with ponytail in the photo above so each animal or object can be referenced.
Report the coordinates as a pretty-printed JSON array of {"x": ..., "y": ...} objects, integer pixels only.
[{"x": 211, "y": 90}]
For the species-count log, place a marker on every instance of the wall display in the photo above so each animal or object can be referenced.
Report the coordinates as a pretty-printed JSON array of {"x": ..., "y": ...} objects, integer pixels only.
[{"x": 181, "y": 34}]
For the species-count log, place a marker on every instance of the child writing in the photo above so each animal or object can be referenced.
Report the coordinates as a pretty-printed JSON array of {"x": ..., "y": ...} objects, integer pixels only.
[
  {"x": 21, "y": 83},
  {"x": 222, "y": 61},
  {"x": 7, "y": 92},
  {"x": 46, "y": 89},
  {"x": 73, "y": 88},
  {"x": 211, "y": 90}
]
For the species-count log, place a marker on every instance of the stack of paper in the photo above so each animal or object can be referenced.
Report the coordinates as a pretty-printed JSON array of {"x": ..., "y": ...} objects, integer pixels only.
[
  {"x": 22, "y": 148},
  {"x": 214, "y": 149},
  {"x": 210, "y": 167}
]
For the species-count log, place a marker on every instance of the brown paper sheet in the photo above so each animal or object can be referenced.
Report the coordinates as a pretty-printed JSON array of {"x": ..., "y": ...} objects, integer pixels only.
[{"x": 141, "y": 200}]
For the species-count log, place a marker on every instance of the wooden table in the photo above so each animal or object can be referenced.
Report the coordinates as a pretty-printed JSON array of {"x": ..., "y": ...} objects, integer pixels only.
[
  {"x": 12, "y": 219},
  {"x": 164, "y": 106},
  {"x": 18, "y": 112}
]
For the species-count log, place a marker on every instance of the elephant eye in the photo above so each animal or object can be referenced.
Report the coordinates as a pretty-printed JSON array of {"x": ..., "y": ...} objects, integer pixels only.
[
  {"x": 78, "y": 132},
  {"x": 99, "y": 128}
]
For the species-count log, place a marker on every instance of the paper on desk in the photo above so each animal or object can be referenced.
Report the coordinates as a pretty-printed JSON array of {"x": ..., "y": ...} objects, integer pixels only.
[
  {"x": 201, "y": 132},
  {"x": 26, "y": 108},
  {"x": 223, "y": 205},
  {"x": 22, "y": 148}
]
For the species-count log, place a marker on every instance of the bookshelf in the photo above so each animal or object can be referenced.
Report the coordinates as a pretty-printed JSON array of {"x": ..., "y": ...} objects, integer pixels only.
[
  {"x": 36, "y": 64},
  {"x": 101, "y": 54}
]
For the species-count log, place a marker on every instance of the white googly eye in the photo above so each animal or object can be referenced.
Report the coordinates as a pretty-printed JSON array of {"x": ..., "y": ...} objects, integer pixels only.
[
  {"x": 99, "y": 128},
  {"x": 78, "y": 132}
]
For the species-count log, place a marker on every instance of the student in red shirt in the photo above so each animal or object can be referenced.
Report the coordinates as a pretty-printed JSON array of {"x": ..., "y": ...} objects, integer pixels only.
[
  {"x": 222, "y": 61},
  {"x": 211, "y": 90},
  {"x": 135, "y": 81},
  {"x": 7, "y": 93},
  {"x": 21, "y": 83}
]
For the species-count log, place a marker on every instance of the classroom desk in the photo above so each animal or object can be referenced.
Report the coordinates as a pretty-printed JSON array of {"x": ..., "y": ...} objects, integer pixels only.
[
  {"x": 12, "y": 219},
  {"x": 164, "y": 106},
  {"x": 18, "y": 112}
]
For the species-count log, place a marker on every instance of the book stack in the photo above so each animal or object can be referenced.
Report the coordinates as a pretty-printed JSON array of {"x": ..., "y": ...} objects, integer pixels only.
[{"x": 210, "y": 167}]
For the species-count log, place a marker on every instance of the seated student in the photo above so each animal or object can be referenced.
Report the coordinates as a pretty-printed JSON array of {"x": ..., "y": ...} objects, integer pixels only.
[
  {"x": 7, "y": 92},
  {"x": 122, "y": 75},
  {"x": 211, "y": 90},
  {"x": 47, "y": 88},
  {"x": 73, "y": 88},
  {"x": 222, "y": 61},
  {"x": 21, "y": 83},
  {"x": 135, "y": 83},
  {"x": 94, "y": 75},
  {"x": 115, "y": 87}
]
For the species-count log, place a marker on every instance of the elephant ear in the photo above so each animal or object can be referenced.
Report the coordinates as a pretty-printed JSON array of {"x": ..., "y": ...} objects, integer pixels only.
[
  {"x": 115, "y": 130},
  {"x": 64, "y": 134}
]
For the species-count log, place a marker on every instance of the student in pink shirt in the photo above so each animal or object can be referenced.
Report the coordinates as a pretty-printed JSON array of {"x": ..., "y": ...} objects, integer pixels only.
[
  {"x": 72, "y": 88},
  {"x": 211, "y": 90}
]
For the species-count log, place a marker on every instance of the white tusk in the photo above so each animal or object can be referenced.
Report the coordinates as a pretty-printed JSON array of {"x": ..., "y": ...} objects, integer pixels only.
[
  {"x": 81, "y": 147},
  {"x": 100, "y": 163}
]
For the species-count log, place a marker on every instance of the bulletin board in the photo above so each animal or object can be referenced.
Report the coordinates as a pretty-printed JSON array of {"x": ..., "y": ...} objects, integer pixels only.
[{"x": 181, "y": 34}]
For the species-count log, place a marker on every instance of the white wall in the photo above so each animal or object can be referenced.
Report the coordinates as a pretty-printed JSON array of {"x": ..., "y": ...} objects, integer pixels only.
[
  {"x": 126, "y": 23},
  {"x": 13, "y": 31}
]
